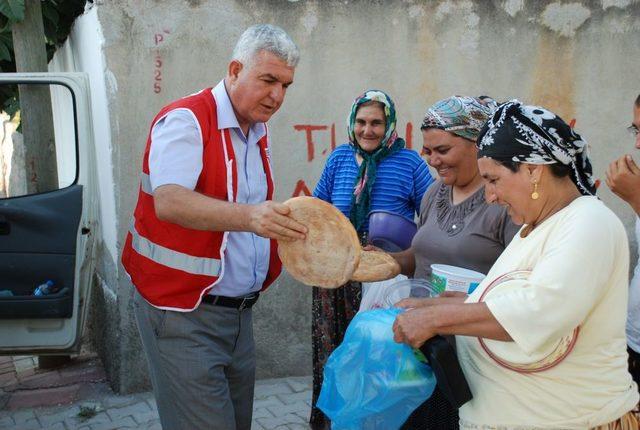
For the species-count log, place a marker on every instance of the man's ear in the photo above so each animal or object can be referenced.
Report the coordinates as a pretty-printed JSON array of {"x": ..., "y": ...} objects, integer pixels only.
[{"x": 235, "y": 67}]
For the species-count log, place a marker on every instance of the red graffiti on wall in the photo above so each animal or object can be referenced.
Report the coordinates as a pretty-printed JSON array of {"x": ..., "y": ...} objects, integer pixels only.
[
  {"x": 157, "y": 75},
  {"x": 309, "y": 129},
  {"x": 301, "y": 189},
  {"x": 407, "y": 133},
  {"x": 158, "y": 38},
  {"x": 311, "y": 141}
]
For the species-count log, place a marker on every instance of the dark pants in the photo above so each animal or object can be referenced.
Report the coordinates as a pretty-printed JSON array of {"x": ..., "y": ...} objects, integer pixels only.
[{"x": 201, "y": 363}]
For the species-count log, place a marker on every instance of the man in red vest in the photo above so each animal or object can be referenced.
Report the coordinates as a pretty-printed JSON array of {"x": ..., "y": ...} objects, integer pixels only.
[{"x": 202, "y": 242}]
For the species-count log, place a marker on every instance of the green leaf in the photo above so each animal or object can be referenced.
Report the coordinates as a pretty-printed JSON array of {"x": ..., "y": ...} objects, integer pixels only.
[
  {"x": 5, "y": 24},
  {"x": 6, "y": 38},
  {"x": 50, "y": 13},
  {"x": 12, "y": 9},
  {"x": 50, "y": 30}
]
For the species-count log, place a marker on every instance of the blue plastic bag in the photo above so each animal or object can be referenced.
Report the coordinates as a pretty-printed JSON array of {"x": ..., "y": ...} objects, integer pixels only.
[{"x": 370, "y": 381}]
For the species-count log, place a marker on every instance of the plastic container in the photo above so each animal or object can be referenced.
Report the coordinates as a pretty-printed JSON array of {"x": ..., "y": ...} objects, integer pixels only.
[
  {"x": 408, "y": 288},
  {"x": 452, "y": 278},
  {"x": 44, "y": 289},
  {"x": 390, "y": 232}
]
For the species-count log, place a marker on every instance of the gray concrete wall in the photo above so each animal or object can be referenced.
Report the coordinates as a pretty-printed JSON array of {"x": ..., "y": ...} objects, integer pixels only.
[{"x": 580, "y": 59}]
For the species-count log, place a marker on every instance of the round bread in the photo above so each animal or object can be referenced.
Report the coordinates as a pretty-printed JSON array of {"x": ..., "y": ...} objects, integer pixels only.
[
  {"x": 329, "y": 254},
  {"x": 376, "y": 266}
]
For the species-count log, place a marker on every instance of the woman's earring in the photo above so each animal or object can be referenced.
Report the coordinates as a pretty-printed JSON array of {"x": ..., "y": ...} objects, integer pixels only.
[{"x": 534, "y": 194}]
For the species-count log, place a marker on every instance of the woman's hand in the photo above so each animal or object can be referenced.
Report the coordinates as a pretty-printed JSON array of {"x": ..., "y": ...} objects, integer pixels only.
[
  {"x": 446, "y": 297},
  {"x": 439, "y": 315},
  {"x": 370, "y": 247},
  {"x": 415, "y": 302},
  {"x": 414, "y": 327},
  {"x": 457, "y": 294}
]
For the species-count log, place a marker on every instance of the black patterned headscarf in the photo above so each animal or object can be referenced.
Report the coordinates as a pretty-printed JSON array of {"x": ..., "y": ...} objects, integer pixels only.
[{"x": 534, "y": 135}]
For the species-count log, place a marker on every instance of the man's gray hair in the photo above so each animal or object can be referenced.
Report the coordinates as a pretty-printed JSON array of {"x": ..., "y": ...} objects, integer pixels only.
[{"x": 266, "y": 37}]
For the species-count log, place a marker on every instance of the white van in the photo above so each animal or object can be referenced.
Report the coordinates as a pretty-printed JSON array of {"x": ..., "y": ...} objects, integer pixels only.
[{"x": 46, "y": 235}]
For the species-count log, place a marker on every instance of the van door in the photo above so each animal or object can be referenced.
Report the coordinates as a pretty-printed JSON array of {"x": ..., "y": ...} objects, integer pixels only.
[{"x": 48, "y": 209}]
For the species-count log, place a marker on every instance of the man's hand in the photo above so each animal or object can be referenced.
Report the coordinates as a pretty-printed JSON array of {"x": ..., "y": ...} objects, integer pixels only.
[
  {"x": 623, "y": 178},
  {"x": 414, "y": 327},
  {"x": 270, "y": 219}
]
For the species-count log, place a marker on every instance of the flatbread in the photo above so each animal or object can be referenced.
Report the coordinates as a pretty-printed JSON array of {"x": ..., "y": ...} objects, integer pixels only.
[
  {"x": 376, "y": 266},
  {"x": 329, "y": 254}
]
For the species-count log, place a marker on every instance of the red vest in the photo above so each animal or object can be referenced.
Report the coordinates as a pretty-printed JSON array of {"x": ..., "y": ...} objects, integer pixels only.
[{"x": 171, "y": 266}]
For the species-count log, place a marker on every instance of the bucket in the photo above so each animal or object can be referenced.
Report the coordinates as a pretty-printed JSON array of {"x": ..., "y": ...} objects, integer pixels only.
[
  {"x": 452, "y": 278},
  {"x": 389, "y": 231}
]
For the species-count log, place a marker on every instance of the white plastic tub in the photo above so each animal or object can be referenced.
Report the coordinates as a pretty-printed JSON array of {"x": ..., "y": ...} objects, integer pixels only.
[{"x": 452, "y": 278}]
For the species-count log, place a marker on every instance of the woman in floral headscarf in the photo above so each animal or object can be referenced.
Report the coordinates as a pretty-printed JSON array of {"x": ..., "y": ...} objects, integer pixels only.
[
  {"x": 456, "y": 227},
  {"x": 541, "y": 340},
  {"x": 373, "y": 171}
]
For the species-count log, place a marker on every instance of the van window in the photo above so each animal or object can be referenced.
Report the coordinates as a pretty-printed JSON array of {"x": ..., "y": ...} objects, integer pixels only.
[{"x": 38, "y": 139}]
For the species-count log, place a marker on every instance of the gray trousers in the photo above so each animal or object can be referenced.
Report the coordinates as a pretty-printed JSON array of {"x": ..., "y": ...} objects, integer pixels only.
[{"x": 202, "y": 365}]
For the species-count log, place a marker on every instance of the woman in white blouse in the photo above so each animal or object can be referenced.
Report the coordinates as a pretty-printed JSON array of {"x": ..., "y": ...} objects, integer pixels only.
[{"x": 542, "y": 339}]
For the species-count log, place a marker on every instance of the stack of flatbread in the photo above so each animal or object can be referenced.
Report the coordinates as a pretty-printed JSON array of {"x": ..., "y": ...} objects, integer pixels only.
[{"x": 331, "y": 254}]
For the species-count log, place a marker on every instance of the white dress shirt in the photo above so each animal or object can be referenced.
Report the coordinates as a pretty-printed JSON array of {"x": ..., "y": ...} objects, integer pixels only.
[{"x": 176, "y": 158}]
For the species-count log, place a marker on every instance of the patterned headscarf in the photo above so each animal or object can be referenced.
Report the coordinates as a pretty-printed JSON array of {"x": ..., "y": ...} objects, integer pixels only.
[
  {"x": 361, "y": 200},
  {"x": 531, "y": 134},
  {"x": 463, "y": 116}
]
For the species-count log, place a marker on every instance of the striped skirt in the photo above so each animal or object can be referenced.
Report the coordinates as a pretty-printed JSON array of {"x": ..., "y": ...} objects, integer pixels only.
[{"x": 629, "y": 421}]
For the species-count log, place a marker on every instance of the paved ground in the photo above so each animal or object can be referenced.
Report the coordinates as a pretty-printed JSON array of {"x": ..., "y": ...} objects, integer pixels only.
[{"x": 77, "y": 396}]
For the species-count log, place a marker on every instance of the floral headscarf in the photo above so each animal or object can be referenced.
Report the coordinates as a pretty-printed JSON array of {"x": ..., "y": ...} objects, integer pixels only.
[
  {"x": 534, "y": 135},
  {"x": 463, "y": 116},
  {"x": 391, "y": 143}
]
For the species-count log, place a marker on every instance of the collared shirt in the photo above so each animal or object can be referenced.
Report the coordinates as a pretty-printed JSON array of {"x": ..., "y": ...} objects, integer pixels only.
[{"x": 176, "y": 158}]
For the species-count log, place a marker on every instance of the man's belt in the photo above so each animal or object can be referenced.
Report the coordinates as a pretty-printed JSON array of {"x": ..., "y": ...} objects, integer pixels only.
[{"x": 239, "y": 303}]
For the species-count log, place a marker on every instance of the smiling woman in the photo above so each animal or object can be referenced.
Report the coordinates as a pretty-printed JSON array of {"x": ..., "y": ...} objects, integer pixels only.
[
  {"x": 370, "y": 125},
  {"x": 373, "y": 171},
  {"x": 457, "y": 227},
  {"x": 551, "y": 311}
]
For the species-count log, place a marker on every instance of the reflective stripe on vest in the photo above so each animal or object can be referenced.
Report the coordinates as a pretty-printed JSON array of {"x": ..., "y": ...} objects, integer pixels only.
[
  {"x": 145, "y": 183},
  {"x": 173, "y": 259}
]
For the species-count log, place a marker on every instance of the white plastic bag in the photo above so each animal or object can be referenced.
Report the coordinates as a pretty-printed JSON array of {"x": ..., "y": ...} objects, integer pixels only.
[{"x": 374, "y": 294}]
